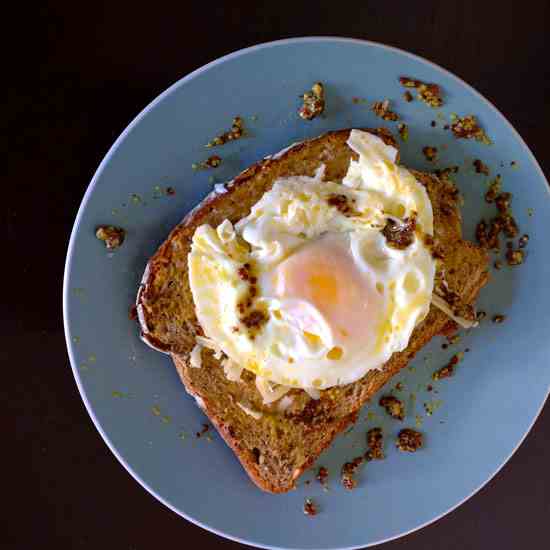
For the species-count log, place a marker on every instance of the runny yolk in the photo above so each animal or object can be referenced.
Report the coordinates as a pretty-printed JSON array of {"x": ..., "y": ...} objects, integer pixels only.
[{"x": 323, "y": 274}]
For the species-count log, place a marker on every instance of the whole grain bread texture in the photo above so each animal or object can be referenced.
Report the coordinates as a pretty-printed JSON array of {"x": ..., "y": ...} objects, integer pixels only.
[{"x": 275, "y": 445}]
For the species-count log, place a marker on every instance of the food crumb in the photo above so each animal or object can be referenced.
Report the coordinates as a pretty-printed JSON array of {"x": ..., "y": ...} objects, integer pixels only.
[
  {"x": 514, "y": 164},
  {"x": 430, "y": 153},
  {"x": 211, "y": 162},
  {"x": 418, "y": 421},
  {"x": 393, "y": 406},
  {"x": 348, "y": 470},
  {"x": 313, "y": 102},
  {"x": 498, "y": 265},
  {"x": 481, "y": 167},
  {"x": 236, "y": 132},
  {"x": 322, "y": 476},
  {"x": 205, "y": 428},
  {"x": 431, "y": 406},
  {"x": 310, "y": 508},
  {"x": 480, "y": 316},
  {"x": 375, "y": 443},
  {"x": 530, "y": 212},
  {"x": 428, "y": 93},
  {"x": 467, "y": 127},
  {"x": 155, "y": 410},
  {"x": 170, "y": 191},
  {"x": 515, "y": 257},
  {"x": 409, "y": 440},
  {"x": 382, "y": 110},
  {"x": 446, "y": 172},
  {"x": 494, "y": 189},
  {"x": 112, "y": 236},
  {"x": 433, "y": 123},
  {"x": 448, "y": 370},
  {"x": 403, "y": 130},
  {"x": 499, "y": 318},
  {"x": 407, "y": 96},
  {"x": 523, "y": 240}
]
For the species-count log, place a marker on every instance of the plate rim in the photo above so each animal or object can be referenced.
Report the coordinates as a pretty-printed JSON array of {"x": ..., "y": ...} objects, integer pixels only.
[{"x": 87, "y": 195}]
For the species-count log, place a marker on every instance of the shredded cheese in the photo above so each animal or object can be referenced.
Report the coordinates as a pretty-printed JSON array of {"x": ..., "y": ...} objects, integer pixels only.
[
  {"x": 195, "y": 358},
  {"x": 255, "y": 414},
  {"x": 269, "y": 391},
  {"x": 313, "y": 393},
  {"x": 284, "y": 403},
  {"x": 232, "y": 370},
  {"x": 439, "y": 302},
  {"x": 210, "y": 344}
]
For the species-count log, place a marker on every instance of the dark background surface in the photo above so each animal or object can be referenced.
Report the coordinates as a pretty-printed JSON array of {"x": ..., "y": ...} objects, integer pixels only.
[{"x": 78, "y": 74}]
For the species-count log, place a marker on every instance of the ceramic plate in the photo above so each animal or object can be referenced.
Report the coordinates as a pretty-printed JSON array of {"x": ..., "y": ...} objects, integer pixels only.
[{"x": 478, "y": 417}]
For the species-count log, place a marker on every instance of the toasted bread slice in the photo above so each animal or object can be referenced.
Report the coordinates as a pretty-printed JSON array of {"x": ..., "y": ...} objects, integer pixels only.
[{"x": 276, "y": 444}]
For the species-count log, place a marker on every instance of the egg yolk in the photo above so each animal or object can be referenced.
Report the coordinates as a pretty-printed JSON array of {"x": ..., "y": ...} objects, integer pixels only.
[{"x": 323, "y": 274}]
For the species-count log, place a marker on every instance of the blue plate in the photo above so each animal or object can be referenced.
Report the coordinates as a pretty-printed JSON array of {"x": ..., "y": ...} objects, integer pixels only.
[{"x": 133, "y": 394}]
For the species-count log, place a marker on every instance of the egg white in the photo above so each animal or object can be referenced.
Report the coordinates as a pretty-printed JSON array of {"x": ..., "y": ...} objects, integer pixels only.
[{"x": 293, "y": 215}]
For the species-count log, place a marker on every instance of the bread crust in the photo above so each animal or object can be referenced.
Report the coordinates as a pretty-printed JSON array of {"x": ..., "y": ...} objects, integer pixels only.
[{"x": 279, "y": 446}]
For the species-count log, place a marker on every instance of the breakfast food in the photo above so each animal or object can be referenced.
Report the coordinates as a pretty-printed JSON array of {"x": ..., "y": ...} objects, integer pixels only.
[
  {"x": 313, "y": 102},
  {"x": 112, "y": 236},
  {"x": 291, "y": 295}
]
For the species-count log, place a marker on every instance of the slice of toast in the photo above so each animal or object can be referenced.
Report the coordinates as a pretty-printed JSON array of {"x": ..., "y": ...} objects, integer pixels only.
[{"x": 276, "y": 444}]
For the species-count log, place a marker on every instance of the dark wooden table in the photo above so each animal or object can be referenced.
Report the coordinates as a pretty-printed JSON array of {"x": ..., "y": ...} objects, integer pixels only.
[{"x": 81, "y": 71}]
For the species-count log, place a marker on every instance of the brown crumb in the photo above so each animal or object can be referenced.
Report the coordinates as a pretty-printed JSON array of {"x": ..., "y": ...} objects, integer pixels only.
[
  {"x": 394, "y": 407},
  {"x": 375, "y": 443},
  {"x": 446, "y": 127},
  {"x": 523, "y": 240},
  {"x": 453, "y": 338},
  {"x": 494, "y": 189},
  {"x": 407, "y": 96},
  {"x": 403, "y": 130},
  {"x": 399, "y": 235},
  {"x": 503, "y": 201},
  {"x": 514, "y": 257},
  {"x": 382, "y": 109},
  {"x": 481, "y": 167},
  {"x": 170, "y": 191},
  {"x": 409, "y": 440},
  {"x": 310, "y": 508},
  {"x": 433, "y": 123},
  {"x": 322, "y": 475},
  {"x": 236, "y": 132},
  {"x": 205, "y": 428},
  {"x": 480, "y": 316},
  {"x": 496, "y": 227},
  {"x": 313, "y": 102},
  {"x": 213, "y": 162},
  {"x": 498, "y": 265},
  {"x": 448, "y": 370},
  {"x": 446, "y": 172},
  {"x": 498, "y": 319},
  {"x": 132, "y": 312},
  {"x": 509, "y": 225},
  {"x": 112, "y": 236},
  {"x": 430, "y": 153},
  {"x": 429, "y": 387},
  {"x": 348, "y": 471},
  {"x": 467, "y": 127},
  {"x": 428, "y": 93}
]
